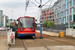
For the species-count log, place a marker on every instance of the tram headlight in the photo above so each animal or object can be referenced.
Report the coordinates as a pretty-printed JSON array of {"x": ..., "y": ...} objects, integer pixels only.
[
  {"x": 21, "y": 29},
  {"x": 33, "y": 29}
]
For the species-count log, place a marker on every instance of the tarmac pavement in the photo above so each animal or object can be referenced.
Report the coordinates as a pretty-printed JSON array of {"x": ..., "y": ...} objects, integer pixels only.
[{"x": 3, "y": 43}]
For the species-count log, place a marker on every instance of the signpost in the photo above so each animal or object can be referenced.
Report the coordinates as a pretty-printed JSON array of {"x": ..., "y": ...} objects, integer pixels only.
[{"x": 10, "y": 37}]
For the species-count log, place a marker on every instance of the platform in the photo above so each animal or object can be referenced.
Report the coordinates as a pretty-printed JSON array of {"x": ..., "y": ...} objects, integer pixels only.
[{"x": 48, "y": 33}]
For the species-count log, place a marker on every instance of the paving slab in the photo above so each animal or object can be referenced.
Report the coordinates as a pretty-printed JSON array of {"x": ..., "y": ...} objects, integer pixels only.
[
  {"x": 16, "y": 49},
  {"x": 18, "y": 44},
  {"x": 36, "y": 48},
  {"x": 31, "y": 43},
  {"x": 3, "y": 43},
  {"x": 68, "y": 40},
  {"x": 61, "y": 47},
  {"x": 49, "y": 42}
]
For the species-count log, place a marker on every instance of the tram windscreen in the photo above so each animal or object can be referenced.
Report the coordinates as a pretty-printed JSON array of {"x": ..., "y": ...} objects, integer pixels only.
[{"x": 26, "y": 22}]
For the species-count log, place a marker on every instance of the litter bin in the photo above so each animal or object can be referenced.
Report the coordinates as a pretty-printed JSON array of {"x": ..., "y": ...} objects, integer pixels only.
[{"x": 61, "y": 34}]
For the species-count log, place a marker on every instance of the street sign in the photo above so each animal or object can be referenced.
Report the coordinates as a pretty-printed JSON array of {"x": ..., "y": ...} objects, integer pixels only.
[{"x": 12, "y": 35}]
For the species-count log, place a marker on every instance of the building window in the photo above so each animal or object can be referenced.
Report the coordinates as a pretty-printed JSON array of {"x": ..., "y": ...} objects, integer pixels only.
[
  {"x": 61, "y": 2},
  {"x": 57, "y": 20},
  {"x": 67, "y": 18},
  {"x": 64, "y": 1},
  {"x": 64, "y": 7},
  {"x": 62, "y": 19},
  {"x": 70, "y": 18},
  {"x": 57, "y": 15},
  {"x": 63, "y": 13},
  {"x": 68, "y": 11},
  {"x": 69, "y": 5}
]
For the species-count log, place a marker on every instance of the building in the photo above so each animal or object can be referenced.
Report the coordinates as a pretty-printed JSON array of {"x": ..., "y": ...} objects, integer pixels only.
[
  {"x": 48, "y": 14},
  {"x": 9, "y": 21},
  {"x": 65, "y": 13},
  {"x": 1, "y": 18},
  {"x": 5, "y": 20}
]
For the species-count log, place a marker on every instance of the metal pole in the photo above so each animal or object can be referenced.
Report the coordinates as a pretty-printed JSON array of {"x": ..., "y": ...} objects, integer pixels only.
[
  {"x": 40, "y": 19},
  {"x": 69, "y": 18},
  {"x": 12, "y": 14},
  {"x": 40, "y": 6},
  {"x": 69, "y": 22}
]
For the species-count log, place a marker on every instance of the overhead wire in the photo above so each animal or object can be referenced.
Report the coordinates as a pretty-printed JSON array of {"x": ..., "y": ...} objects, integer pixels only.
[
  {"x": 37, "y": 2},
  {"x": 27, "y": 3},
  {"x": 33, "y": 3},
  {"x": 50, "y": 3},
  {"x": 45, "y": 3}
]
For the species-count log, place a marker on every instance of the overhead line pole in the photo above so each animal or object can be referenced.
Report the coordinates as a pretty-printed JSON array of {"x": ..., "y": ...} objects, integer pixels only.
[
  {"x": 27, "y": 3},
  {"x": 40, "y": 18},
  {"x": 40, "y": 6}
]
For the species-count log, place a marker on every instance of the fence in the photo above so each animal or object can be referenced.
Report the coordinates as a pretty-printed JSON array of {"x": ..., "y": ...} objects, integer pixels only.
[
  {"x": 56, "y": 29},
  {"x": 70, "y": 32}
]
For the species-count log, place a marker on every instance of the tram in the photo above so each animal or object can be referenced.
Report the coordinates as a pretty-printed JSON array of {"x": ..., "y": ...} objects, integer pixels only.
[{"x": 26, "y": 26}]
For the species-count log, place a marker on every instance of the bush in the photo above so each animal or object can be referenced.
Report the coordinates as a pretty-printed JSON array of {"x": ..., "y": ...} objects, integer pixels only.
[
  {"x": 45, "y": 23},
  {"x": 48, "y": 23}
]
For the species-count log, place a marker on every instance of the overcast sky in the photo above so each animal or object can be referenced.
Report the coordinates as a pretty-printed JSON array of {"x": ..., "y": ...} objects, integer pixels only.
[{"x": 18, "y": 7}]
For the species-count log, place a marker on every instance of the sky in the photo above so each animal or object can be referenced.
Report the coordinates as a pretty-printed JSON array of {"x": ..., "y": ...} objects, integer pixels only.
[{"x": 18, "y": 8}]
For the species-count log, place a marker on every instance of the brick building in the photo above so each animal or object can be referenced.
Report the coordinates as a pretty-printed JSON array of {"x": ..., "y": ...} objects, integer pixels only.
[
  {"x": 48, "y": 14},
  {"x": 62, "y": 13}
]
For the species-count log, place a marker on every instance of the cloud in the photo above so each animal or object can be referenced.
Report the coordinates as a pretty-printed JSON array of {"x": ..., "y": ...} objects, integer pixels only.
[
  {"x": 6, "y": 1},
  {"x": 18, "y": 7},
  {"x": 13, "y": 5}
]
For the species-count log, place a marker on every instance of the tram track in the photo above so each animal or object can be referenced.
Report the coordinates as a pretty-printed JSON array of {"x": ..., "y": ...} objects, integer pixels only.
[
  {"x": 45, "y": 42},
  {"x": 42, "y": 44},
  {"x": 8, "y": 47},
  {"x": 24, "y": 45},
  {"x": 39, "y": 42}
]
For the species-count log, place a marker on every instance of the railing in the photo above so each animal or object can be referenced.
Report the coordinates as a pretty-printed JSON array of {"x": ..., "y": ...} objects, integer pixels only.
[{"x": 70, "y": 32}]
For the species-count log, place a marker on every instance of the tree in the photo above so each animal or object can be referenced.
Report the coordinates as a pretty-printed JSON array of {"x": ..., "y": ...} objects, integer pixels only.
[
  {"x": 50, "y": 24},
  {"x": 45, "y": 23}
]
